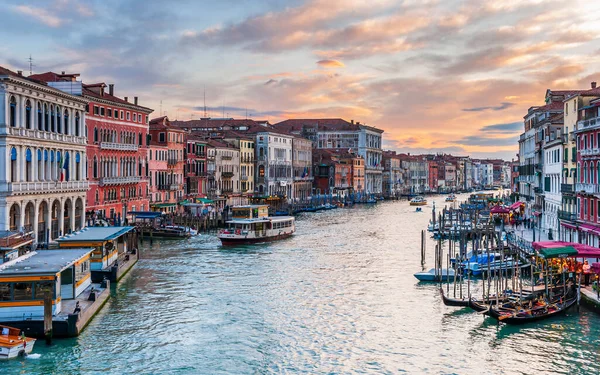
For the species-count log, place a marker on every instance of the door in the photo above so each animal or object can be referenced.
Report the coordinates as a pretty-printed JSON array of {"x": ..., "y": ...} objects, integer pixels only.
[{"x": 67, "y": 285}]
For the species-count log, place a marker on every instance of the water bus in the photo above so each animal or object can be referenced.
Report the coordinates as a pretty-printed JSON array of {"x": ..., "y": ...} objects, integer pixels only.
[
  {"x": 252, "y": 224},
  {"x": 418, "y": 201}
]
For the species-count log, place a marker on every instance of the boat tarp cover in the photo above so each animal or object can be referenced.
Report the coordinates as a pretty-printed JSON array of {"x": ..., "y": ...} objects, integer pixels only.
[{"x": 558, "y": 252}]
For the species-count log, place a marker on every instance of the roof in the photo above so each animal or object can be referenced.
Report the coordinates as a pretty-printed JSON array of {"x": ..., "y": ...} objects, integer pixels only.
[
  {"x": 43, "y": 262},
  {"x": 297, "y": 125},
  {"x": 96, "y": 234},
  {"x": 111, "y": 98}
]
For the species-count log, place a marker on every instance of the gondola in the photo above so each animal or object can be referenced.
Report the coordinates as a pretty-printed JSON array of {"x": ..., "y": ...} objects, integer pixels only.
[
  {"x": 453, "y": 301},
  {"x": 534, "y": 314}
]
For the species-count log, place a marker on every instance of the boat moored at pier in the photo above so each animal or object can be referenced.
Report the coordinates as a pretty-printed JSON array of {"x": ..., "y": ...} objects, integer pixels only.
[
  {"x": 251, "y": 224},
  {"x": 418, "y": 201},
  {"x": 13, "y": 343}
]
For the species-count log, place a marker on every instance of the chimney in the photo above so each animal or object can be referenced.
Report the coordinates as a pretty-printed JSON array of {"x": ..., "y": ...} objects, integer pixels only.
[
  {"x": 63, "y": 73},
  {"x": 126, "y": 99},
  {"x": 593, "y": 85},
  {"x": 135, "y": 100},
  {"x": 111, "y": 89},
  {"x": 352, "y": 122},
  {"x": 20, "y": 72}
]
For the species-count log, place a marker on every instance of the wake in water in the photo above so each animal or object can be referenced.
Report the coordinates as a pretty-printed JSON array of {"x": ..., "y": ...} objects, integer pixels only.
[{"x": 33, "y": 356}]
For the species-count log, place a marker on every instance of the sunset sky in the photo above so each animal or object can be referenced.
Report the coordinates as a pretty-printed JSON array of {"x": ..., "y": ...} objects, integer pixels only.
[{"x": 437, "y": 76}]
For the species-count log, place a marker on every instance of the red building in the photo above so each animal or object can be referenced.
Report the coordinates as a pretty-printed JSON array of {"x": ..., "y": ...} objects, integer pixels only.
[
  {"x": 434, "y": 172},
  {"x": 117, "y": 153},
  {"x": 195, "y": 167},
  {"x": 166, "y": 160},
  {"x": 336, "y": 171}
]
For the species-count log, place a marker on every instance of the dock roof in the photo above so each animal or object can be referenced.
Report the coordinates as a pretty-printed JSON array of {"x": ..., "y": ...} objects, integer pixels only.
[
  {"x": 43, "y": 262},
  {"x": 96, "y": 234}
]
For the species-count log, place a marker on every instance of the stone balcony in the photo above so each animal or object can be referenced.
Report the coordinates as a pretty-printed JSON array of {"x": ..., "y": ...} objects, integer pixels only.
[
  {"x": 34, "y": 134},
  {"x": 118, "y": 146},
  {"x": 590, "y": 152},
  {"x": 19, "y": 188},
  {"x": 589, "y": 124},
  {"x": 587, "y": 188},
  {"x": 119, "y": 180}
]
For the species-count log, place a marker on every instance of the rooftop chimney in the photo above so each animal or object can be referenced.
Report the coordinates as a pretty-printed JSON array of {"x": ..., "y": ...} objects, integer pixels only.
[
  {"x": 352, "y": 122},
  {"x": 135, "y": 98},
  {"x": 126, "y": 99},
  {"x": 593, "y": 85},
  {"x": 63, "y": 73},
  {"x": 111, "y": 89},
  {"x": 20, "y": 72}
]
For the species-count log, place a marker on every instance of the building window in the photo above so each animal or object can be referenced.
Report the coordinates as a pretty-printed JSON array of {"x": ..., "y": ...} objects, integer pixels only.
[
  {"x": 161, "y": 137},
  {"x": 122, "y": 115},
  {"x": 128, "y": 116},
  {"x": 109, "y": 112}
]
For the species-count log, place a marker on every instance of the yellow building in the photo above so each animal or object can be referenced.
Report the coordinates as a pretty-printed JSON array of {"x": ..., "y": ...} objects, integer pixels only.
[{"x": 246, "y": 146}]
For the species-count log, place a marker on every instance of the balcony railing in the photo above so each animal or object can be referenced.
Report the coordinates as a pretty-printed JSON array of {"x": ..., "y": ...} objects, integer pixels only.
[
  {"x": 227, "y": 174},
  {"x": 260, "y": 180},
  {"x": 46, "y": 186},
  {"x": 244, "y": 177},
  {"x": 566, "y": 188},
  {"x": 589, "y": 152},
  {"x": 588, "y": 124},
  {"x": 168, "y": 187},
  {"x": 588, "y": 188},
  {"x": 226, "y": 157},
  {"x": 44, "y": 135},
  {"x": 119, "y": 180},
  {"x": 566, "y": 215},
  {"x": 247, "y": 160},
  {"x": 118, "y": 146}
]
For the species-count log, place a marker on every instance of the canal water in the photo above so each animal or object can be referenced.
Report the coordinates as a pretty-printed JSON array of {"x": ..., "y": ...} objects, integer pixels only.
[{"x": 337, "y": 298}]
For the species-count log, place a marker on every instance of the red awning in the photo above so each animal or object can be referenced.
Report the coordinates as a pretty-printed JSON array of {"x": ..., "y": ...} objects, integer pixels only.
[
  {"x": 515, "y": 205},
  {"x": 589, "y": 228},
  {"x": 568, "y": 226},
  {"x": 499, "y": 210},
  {"x": 583, "y": 251}
]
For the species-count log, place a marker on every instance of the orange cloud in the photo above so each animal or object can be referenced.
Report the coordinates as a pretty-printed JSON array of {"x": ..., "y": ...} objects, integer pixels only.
[{"x": 330, "y": 63}]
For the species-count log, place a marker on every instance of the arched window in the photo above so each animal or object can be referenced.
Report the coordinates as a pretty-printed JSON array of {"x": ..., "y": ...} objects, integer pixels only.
[
  {"x": 591, "y": 175},
  {"x": 28, "y": 115},
  {"x": 40, "y": 117},
  {"x": 46, "y": 118},
  {"x": 95, "y": 134},
  {"x": 13, "y": 164},
  {"x": 77, "y": 131},
  {"x": 66, "y": 122},
  {"x": 59, "y": 120},
  {"x": 12, "y": 114},
  {"x": 95, "y": 168},
  {"x": 28, "y": 165},
  {"x": 40, "y": 164},
  {"x": 77, "y": 167},
  {"x": 52, "y": 119},
  {"x": 585, "y": 173}
]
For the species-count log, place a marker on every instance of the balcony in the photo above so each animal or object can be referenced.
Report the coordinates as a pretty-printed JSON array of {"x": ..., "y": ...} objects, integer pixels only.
[
  {"x": 247, "y": 160},
  {"x": 173, "y": 187},
  {"x": 589, "y": 124},
  {"x": 567, "y": 188},
  {"x": 227, "y": 190},
  {"x": 119, "y": 180},
  {"x": 227, "y": 174},
  {"x": 118, "y": 146},
  {"x": 244, "y": 177},
  {"x": 201, "y": 154},
  {"x": 172, "y": 161},
  {"x": 566, "y": 215},
  {"x": 46, "y": 136},
  {"x": 588, "y": 188},
  {"x": 589, "y": 152},
  {"x": 46, "y": 187},
  {"x": 226, "y": 157}
]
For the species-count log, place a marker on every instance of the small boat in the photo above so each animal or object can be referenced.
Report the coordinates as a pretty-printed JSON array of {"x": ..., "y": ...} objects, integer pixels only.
[
  {"x": 371, "y": 201},
  {"x": 533, "y": 314},
  {"x": 418, "y": 201},
  {"x": 191, "y": 231},
  {"x": 252, "y": 224},
  {"x": 451, "y": 198},
  {"x": 419, "y": 209},
  {"x": 445, "y": 274},
  {"x": 13, "y": 343},
  {"x": 172, "y": 233}
]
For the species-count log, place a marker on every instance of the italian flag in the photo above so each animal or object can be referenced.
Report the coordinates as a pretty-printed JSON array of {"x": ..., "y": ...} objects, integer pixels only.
[{"x": 64, "y": 168}]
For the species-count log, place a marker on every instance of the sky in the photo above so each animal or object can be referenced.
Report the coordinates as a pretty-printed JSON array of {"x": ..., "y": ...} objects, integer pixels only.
[{"x": 436, "y": 75}]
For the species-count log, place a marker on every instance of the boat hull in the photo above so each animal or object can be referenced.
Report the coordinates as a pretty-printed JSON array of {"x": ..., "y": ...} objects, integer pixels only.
[
  {"x": 16, "y": 351},
  {"x": 418, "y": 203},
  {"x": 233, "y": 241},
  {"x": 517, "y": 320}
]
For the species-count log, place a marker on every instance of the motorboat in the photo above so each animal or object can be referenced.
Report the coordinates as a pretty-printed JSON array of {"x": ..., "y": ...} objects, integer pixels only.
[
  {"x": 13, "y": 343},
  {"x": 451, "y": 198},
  {"x": 418, "y": 201},
  {"x": 432, "y": 275}
]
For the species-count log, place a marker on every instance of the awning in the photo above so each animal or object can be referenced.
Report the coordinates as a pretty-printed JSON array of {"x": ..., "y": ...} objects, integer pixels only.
[
  {"x": 582, "y": 250},
  {"x": 183, "y": 201},
  {"x": 589, "y": 228},
  {"x": 205, "y": 200},
  {"x": 568, "y": 226},
  {"x": 499, "y": 210},
  {"x": 558, "y": 252},
  {"x": 163, "y": 205},
  {"x": 515, "y": 205}
]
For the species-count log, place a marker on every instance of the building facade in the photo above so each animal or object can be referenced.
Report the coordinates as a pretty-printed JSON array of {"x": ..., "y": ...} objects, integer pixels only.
[
  {"x": 273, "y": 173},
  {"x": 43, "y": 148},
  {"x": 195, "y": 167},
  {"x": 302, "y": 169}
]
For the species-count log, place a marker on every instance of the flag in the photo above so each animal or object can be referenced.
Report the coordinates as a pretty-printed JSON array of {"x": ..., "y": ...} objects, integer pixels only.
[{"x": 64, "y": 169}]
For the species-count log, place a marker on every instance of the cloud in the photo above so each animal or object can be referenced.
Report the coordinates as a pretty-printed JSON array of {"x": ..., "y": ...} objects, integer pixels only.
[
  {"x": 41, "y": 15},
  {"x": 330, "y": 63},
  {"x": 502, "y": 106},
  {"x": 511, "y": 127}
]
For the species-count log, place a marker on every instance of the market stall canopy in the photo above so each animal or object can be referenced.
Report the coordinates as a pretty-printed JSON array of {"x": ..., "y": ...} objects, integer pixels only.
[
  {"x": 583, "y": 251},
  {"x": 205, "y": 200},
  {"x": 558, "y": 252},
  {"x": 515, "y": 206},
  {"x": 499, "y": 210}
]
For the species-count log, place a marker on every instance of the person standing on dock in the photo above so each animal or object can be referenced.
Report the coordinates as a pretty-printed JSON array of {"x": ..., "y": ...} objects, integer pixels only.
[{"x": 586, "y": 272}]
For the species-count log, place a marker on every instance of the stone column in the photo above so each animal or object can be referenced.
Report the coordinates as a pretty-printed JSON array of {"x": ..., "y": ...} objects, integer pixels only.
[
  {"x": 72, "y": 214},
  {"x": 21, "y": 216},
  {"x": 83, "y": 206},
  {"x": 34, "y": 165},
  {"x": 48, "y": 228},
  {"x": 36, "y": 208},
  {"x": 61, "y": 216}
]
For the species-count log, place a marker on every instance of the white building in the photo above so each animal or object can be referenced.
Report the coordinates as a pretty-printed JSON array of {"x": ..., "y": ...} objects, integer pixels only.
[
  {"x": 43, "y": 148},
  {"x": 274, "y": 154},
  {"x": 553, "y": 167}
]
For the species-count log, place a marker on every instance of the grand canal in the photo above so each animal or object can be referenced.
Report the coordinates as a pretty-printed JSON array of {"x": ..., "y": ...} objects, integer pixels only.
[{"x": 339, "y": 297}]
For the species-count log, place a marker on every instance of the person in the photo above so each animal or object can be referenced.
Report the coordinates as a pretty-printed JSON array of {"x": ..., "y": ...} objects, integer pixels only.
[
  {"x": 77, "y": 308},
  {"x": 586, "y": 272}
]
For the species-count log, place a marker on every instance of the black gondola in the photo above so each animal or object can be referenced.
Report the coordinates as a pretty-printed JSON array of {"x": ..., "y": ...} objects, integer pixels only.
[
  {"x": 453, "y": 301},
  {"x": 532, "y": 315}
]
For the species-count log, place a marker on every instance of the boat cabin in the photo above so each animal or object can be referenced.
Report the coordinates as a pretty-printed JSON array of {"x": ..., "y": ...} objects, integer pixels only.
[
  {"x": 255, "y": 211},
  {"x": 14, "y": 244},
  {"x": 109, "y": 244},
  {"x": 23, "y": 282}
]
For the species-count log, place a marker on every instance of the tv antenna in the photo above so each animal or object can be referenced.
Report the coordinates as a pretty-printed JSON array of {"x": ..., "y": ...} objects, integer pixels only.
[
  {"x": 30, "y": 59},
  {"x": 205, "y": 101}
]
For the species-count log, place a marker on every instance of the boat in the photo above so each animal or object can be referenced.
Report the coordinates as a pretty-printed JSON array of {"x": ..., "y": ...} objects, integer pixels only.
[
  {"x": 419, "y": 209},
  {"x": 538, "y": 311},
  {"x": 480, "y": 267},
  {"x": 13, "y": 343},
  {"x": 252, "y": 224},
  {"x": 191, "y": 231},
  {"x": 371, "y": 201},
  {"x": 445, "y": 274},
  {"x": 170, "y": 233},
  {"x": 451, "y": 198},
  {"x": 418, "y": 201},
  {"x": 478, "y": 305}
]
